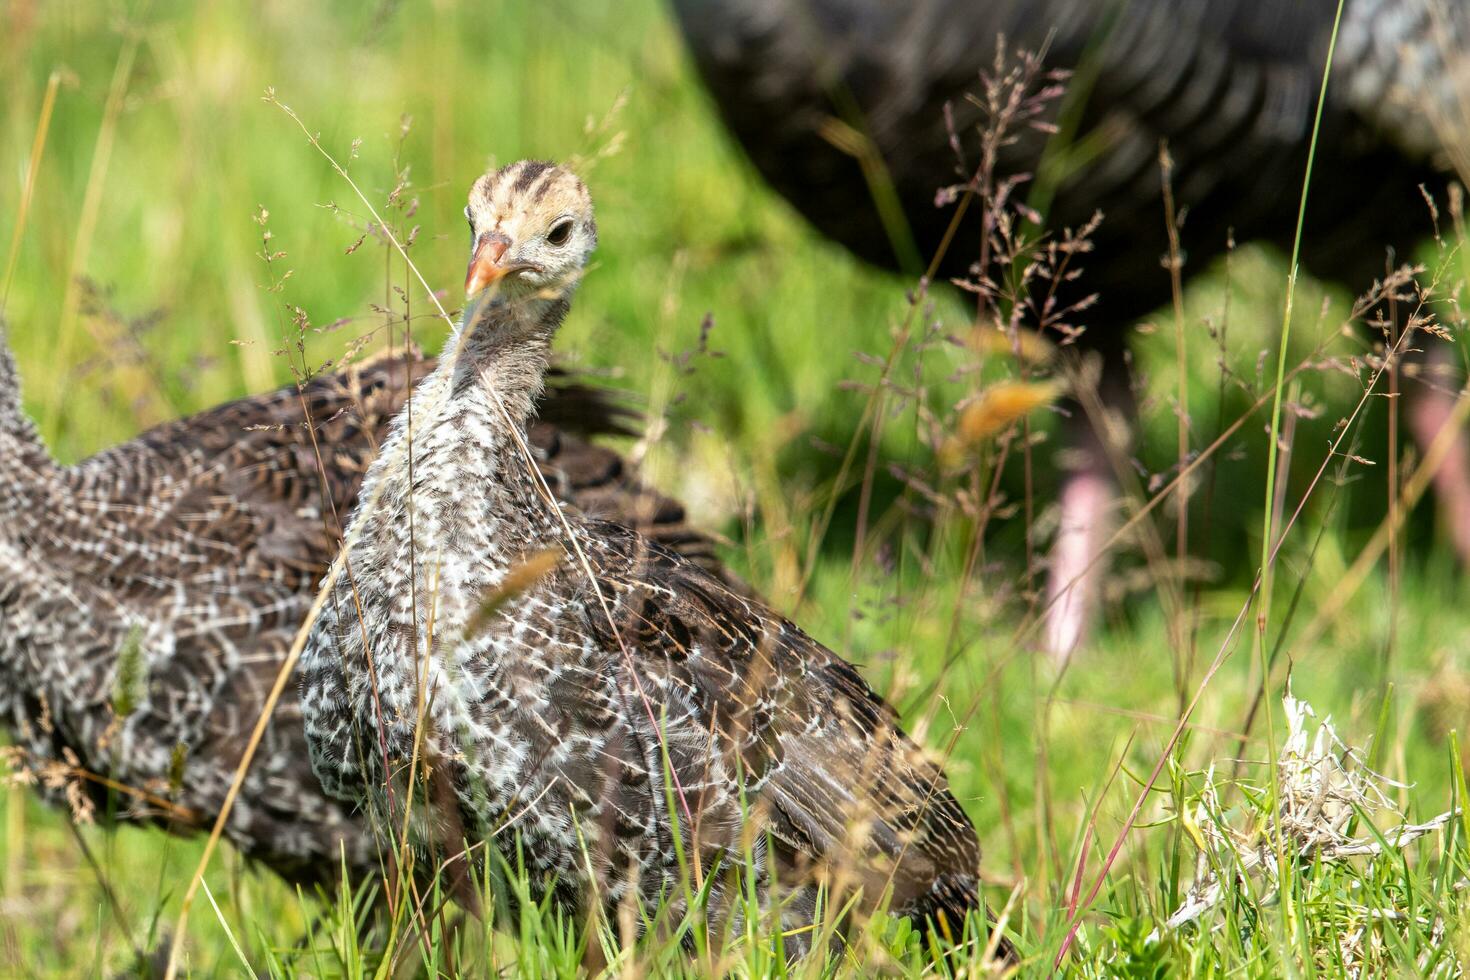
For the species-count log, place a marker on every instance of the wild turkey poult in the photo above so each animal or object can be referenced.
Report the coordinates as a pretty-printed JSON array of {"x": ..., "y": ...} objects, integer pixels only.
[
  {"x": 549, "y": 724},
  {"x": 151, "y": 592}
]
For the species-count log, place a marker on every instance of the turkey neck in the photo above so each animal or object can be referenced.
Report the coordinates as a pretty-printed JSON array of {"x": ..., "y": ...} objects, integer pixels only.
[
  {"x": 30, "y": 483},
  {"x": 451, "y": 495},
  {"x": 464, "y": 427},
  {"x": 507, "y": 351},
  {"x": 51, "y": 510}
]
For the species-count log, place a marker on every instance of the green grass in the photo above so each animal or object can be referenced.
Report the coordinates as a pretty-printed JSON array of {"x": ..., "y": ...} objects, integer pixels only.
[{"x": 1049, "y": 767}]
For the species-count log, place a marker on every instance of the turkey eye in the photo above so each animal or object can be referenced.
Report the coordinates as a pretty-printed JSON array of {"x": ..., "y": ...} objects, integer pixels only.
[{"x": 559, "y": 234}]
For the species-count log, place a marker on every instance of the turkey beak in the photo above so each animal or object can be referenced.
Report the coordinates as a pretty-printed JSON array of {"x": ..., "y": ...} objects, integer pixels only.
[{"x": 485, "y": 268}]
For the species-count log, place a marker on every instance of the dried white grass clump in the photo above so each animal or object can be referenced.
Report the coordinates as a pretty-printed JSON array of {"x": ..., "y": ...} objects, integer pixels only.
[{"x": 1322, "y": 783}]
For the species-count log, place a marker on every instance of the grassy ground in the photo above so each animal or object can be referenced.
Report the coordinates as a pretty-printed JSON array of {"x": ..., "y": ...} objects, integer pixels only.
[{"x": 162, "y": 166}]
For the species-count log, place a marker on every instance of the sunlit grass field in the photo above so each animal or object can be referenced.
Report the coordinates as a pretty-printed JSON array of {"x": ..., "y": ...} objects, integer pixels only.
[{"x": 140, "y": 290}]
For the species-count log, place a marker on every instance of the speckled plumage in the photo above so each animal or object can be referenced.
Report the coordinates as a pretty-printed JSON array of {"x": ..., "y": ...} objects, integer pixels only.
[
  {"x": 555, "y": 720},
  {"x": 149, "y": 595}
]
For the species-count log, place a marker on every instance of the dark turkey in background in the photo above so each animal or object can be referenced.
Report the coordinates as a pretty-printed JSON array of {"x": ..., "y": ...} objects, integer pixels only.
[{"x": 1231, "y": 86}]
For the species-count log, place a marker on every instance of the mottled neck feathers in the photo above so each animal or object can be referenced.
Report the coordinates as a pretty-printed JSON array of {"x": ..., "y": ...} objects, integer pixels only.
[
  {"x": 24, "y": 461},
  {"x": 502, "y": 354}
]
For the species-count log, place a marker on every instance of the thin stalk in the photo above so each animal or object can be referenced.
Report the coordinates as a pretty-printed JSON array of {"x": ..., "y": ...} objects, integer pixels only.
[
  {"x": 1263, "y": 610},
  {"x": 1393, "y": 483},
  {"x": 1181, "y": 412},
  {"x": 28, "y": 190},
  {"x": 87, "y": 223}
]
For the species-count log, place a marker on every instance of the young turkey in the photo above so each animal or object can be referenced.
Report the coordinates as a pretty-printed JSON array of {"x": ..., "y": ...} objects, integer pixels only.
[
  {"x": 1230, "y": 86},
  {"x": 150, "y": 594},
  {"x": 582, "y": 716}
]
